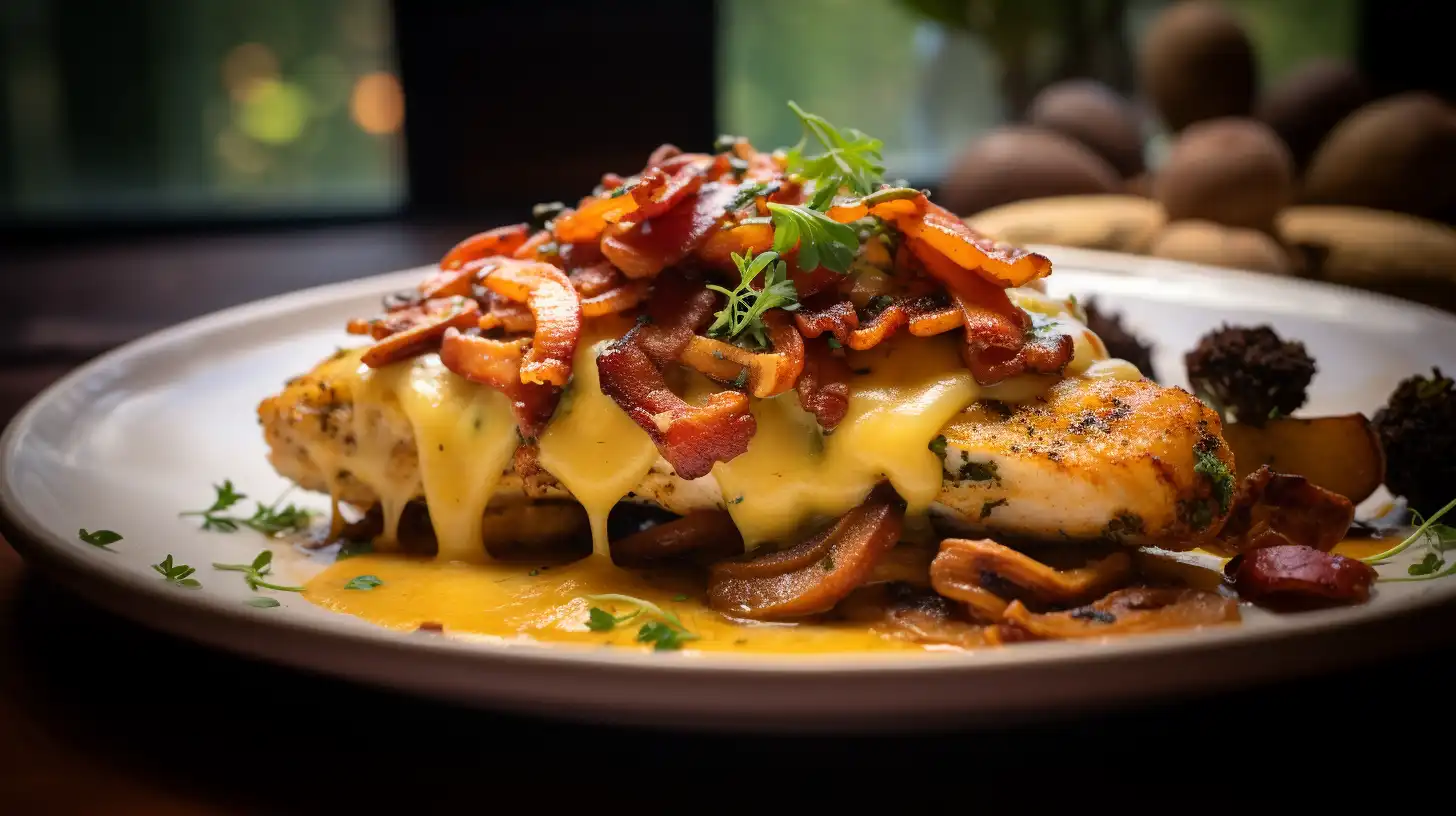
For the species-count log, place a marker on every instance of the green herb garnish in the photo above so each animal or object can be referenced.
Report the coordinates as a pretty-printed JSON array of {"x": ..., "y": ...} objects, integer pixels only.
[
  {"x": 179, "y": 574},
  {"x": 262, "y": 603},
  {"x": 1437, "y": 537},
  {"x": 1218, "y": 475},
  {"x": 851, "y": 160},
  {"x": 667, "y": 632},
  {"x": 100, "y": 538},
  {"x": 822, "y": 241},
  {"x": 938, "y": 445},
  {"x": 743, "y": 314},
  {"x": 267, "y": 519},
  {"x": 835, "y": 344},
  {"x": 253, "y": 573},
  {"x": 364, "y": 582}
]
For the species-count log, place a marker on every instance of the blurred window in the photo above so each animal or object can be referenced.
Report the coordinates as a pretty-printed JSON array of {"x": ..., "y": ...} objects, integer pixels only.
[
  {"x": 198, "y": 109},
  {"x": 928, "y": 75}
]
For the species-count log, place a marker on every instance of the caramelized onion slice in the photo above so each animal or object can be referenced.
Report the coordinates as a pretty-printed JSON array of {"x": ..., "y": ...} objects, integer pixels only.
[
  {"x": 990, "y": 566},
  {"x": 497, "y": 364},
  {"x": 614, "y": 301},
  {"x": 1274, "y": 509},
  {"x": 1138, "y": 610},
  {"x": 557, "y": 311},
  {"x": 912, "y": 613},
  {"x": 769, "y": 373},
  {"x": 1294, "y": 575},
  {"x": 938, "y": 234},
  {"x": 709, "y": 533},
  {"x": 823, "y": 385},
  {"x": 499, "y": 241},
  {"x": 434, "y": 319},
  {"x": 815, "y": 575}
]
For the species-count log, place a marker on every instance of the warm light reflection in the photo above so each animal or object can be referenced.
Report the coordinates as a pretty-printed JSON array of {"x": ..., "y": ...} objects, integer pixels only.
[
  {"x": 246, "y": 66},
  {"x": 377, "y": 103},
  {"x": 274, "y": 112}
]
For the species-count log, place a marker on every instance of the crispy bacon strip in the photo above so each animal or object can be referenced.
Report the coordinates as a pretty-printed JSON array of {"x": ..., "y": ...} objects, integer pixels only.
[
  {"x": 556, "y": 309},
  {"x": 1137, "y": 610},
  {"x": 595, "y": 279},
  {"x": 824, "y": 384},
  {"x": 1297, "y": 576},
  {"x": 691, "y": 438},
  {"x": 587, "y": 221},
  {"x": 703, "y": 533},
  {"x": 815, "y": 575},
  {"x": 432, "y": 321},
  {"x": 838, "y": 318},
  {"x": 881, "y": 327},
  {"x": 997, "y": 346},
  {"x": 497, "y": 364},
  {"x": 1274, "y": 509},
  {"x": 985, "y": 575},
  {"x": 644, "y": 250},
  {"x": 937, "y": 233},
  {"x": 659, "y": 192},
  {"x": 769, "y": 373}
]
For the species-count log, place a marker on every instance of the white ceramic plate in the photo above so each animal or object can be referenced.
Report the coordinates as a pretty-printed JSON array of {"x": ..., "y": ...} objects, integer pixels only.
[{"x": 136, "y": 436}]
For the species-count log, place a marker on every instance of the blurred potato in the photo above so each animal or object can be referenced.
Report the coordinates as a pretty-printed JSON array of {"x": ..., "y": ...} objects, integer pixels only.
[
  {"x": 1231, "y": 171},
  {"x": 1019, "y": 162},
  {"x": 1096, "y": 116},
  {"x": 1119, "y": 223},
  {"x": 1197, "y": 63},
  {"x": 1205, "y": 242}
]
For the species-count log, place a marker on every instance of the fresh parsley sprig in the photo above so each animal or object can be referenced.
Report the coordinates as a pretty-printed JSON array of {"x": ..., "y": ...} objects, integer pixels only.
[
  {"x": 822, "y": 241},
  {"x": 1437, "y": 538},
  {"x": 179, "y": 574},
  {"x": 742, "y": 316},
  {"x": 268, "y": 519},
  {"x": 851, "y": 159},
  {"x": 253, "y": 573},
  {"x": 665, "y": 633}
]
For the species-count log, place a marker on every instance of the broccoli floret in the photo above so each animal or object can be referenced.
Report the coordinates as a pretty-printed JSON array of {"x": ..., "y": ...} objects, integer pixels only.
[
  {"x": 1417, "y": 429},
  {"x": 1120, "y": 342},
  {"x": 1250, "y": 374}
]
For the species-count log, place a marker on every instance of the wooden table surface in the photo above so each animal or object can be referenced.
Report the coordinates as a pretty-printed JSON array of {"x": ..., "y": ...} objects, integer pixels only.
[{"x": 98, "y": 715}]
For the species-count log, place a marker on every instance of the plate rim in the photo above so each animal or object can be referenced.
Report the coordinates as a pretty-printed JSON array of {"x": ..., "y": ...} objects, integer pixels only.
[{"x": 54, "y": 553}]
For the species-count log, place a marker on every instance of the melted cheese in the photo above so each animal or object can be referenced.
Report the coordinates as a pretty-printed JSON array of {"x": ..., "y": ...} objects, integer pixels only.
[
  {"x": 793, "y": 473},
  {"x": 523, "y": 603},
  {"x": 591, "y": 446}
]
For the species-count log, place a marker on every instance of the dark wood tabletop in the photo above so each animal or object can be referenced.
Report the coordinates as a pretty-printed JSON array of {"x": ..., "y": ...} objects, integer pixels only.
[{"x": 98, "y": 715}]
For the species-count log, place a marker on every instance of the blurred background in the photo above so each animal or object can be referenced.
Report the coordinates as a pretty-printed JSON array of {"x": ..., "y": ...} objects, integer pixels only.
[{"x": 163, "y": 158}]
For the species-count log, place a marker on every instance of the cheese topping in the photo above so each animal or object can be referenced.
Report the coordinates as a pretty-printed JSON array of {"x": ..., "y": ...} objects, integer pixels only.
[
  {"x": 591, "y": 446},
  {"x": 794, "y": 474}
]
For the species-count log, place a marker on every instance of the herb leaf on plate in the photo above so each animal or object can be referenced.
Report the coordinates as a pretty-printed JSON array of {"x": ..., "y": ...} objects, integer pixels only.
[{"x": 99, "y": 538}]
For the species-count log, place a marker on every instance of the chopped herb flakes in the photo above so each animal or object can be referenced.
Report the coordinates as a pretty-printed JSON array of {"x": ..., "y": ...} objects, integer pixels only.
[
  {"x": 364, "y": 582},
  {"x": 99, "y": 538},
  {"x": 987, "y": 507},
  {"x": 178, "y": 574},
  {"x": 664, "y": 633}
]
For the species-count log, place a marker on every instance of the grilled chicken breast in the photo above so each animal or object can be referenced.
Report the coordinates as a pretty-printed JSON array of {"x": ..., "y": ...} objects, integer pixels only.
[{"x": 1090, "y": 459}]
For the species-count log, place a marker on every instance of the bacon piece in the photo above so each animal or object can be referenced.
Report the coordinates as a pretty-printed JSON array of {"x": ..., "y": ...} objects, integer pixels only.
[
  {"x": 985, "y": 576},
  {"x": 1273, "y": 509},
  {"x": 815, "y": 575},
  {"x": 930, "y": 316},
  {"x": 644, "y": 250},
  {"x": 824, "y": 384},
  {"x": 691, "y": 438},
  {"x": 839, "y": 319},
  {"x": 769, "y": 373},
  {"x": 530, "y": 251},
  {"x": 429, "y": 322},
  {"x": 1137, "y": 610},
  {"x": 587, "y": 221},
  {"x": 497, "y": 364},
  {"x": 556, "y": 309},
  {"x": 488, "y": 244},
  {"x": 702, "y": 533},
  {"x": 1297, "y": 576},
  {"x": 997, "y": 346},
  {"x": 889, "y": 320},
  {"x": 939, "y": 234},
  {"x": 659, "y": 192}
]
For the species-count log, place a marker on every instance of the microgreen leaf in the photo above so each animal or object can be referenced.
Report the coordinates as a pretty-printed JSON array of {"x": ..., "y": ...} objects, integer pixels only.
[
  {"x": 364, "y": 582},
  {"x": 851, "y": 160},
  {"x": 262, "y": 603},
  {"x": 268, "y": 519},
  {"x": 742, "y": 315},
  {"x": 666, "y": 632},
  {"x": 253, "y": 573},
  {"x": 179, "y": 574}
]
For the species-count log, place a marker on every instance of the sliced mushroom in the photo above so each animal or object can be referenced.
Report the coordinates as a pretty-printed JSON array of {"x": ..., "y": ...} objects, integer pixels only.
[
  {"x": 769, "y": 373},
  {"x": 1129, "y": 611},
  {"x": 812, "y": 577},
  {"x": 1275, "y": 509},
  {"x": 708, "y": 533},
  {"x": 985, "y": 576}
]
